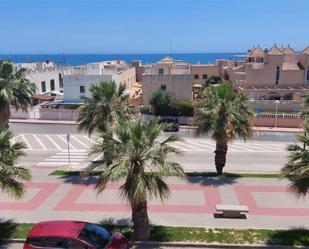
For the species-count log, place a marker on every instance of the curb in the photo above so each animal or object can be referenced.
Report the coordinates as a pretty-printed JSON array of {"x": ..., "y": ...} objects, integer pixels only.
[{"x": 188, "y": 244}]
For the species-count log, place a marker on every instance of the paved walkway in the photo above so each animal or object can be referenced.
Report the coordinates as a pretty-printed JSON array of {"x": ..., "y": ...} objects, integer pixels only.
[{"x": 191, "y": 203}]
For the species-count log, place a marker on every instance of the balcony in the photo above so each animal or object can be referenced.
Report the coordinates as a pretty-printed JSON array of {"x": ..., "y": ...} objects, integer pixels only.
[{"x": 257, "y": 66}]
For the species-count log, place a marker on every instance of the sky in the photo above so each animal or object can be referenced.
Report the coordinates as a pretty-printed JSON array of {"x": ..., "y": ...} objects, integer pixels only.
[{"x": 150, "y": 26}]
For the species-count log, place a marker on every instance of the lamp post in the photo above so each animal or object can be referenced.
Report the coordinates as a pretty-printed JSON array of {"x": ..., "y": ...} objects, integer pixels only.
[
  {"x": 69, "y": 156},
  {"x": 276, "y": 115}
]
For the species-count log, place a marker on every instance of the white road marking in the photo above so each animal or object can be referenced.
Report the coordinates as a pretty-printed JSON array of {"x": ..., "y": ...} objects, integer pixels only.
[
  {"x": 26, "y": 142},
  {"x": 82, "y": 143},
  {"x": 40, "y": 142},
  {"x": 63, "y": 139},
  {"x": 53, "y": 142}
]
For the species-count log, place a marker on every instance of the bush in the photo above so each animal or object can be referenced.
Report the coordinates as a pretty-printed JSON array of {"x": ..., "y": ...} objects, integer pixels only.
[
  {"x": 182, "y": 108},
  {"x": 144, "y": 110},
  {"x": 161, "y": 102}
]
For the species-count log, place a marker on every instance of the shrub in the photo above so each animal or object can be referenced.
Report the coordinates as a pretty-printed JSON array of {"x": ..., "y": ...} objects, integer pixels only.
[{"x": 182, "y": 108}]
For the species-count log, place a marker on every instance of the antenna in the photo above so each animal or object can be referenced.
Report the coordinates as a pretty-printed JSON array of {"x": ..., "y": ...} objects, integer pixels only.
[{"x": 171, "y": 46}]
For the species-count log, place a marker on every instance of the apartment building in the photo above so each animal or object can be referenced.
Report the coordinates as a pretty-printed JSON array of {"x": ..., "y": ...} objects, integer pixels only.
[
  {"x": 274, "y": 74},
  {"x": 77, "y": 80},
  {"x": 172, "y": 76}
]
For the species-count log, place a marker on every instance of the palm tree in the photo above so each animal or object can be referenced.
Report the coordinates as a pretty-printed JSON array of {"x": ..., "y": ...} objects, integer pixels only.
[
  {"x": 224, "y": 113},
  {"x": 297, "y": 167},
  {"x": 108, "y": 104},
  {"x": 11, "y": 176},
  {"x": 140, "y": 160},
  {"x": 14, "y": 90}
]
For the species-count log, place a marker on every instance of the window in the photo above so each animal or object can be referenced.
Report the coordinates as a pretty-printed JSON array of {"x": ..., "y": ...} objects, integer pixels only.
[
  {"x": 75, "y": 244},
  {"x": 163, "y": 87},
  {"x": 96, "y": 236},
  {"x": 52, "y": 84},
  {"x": 82, "y": 89},
  {"x": 277, "y": 74},
  {"x": 196, "y": 76},
  {"x": 48, "y": 242},
  {"x": 161, "y": 71},
  {"x": 43, "y": 86},
  {"x": 205, "y": 76},
  {"x": 307, "y": 73}
]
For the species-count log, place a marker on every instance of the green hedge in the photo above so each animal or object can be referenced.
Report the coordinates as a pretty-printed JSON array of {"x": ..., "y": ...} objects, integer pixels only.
[{"x": 182, "y": 108}]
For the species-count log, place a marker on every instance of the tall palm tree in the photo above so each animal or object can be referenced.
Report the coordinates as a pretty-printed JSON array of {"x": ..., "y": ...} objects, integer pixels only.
[
  {"x": 297, "y": 167},
  {"x": 14, "y": 90},
  {"x": 224, "y": 113},
  {"x": 140, "y": 160},
  {"x": 107, "y": 104},
  {"x": 11, "y": 176}
]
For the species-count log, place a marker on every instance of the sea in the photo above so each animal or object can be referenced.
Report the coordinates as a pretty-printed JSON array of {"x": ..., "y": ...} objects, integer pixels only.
[{"x": 80, "y": 59}]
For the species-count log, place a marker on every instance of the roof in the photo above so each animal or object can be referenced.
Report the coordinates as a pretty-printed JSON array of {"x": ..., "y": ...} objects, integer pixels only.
[
  {"x": 68, "y": 229},
  {"x": 166, "y": 59},
  {"x": 275, "y": 51},
  {"x": 289, "y": 66},
  {"x": 257, "y": 51},
  {"x": 288, "y": 50},
  {"x": 305, "y": 51}
]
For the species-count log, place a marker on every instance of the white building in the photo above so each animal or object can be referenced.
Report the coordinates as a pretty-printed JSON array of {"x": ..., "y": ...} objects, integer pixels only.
[
  {"x": 45, "y": 75},
  {"x": 77, "y": 80}
]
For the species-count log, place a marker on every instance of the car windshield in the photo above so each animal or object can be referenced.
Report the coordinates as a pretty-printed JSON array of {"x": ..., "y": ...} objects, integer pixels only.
[{"x": 95, "y": 236}]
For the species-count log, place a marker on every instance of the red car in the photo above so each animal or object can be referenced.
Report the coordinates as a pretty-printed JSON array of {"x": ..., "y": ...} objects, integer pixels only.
[{"x": 73, "y": 235}]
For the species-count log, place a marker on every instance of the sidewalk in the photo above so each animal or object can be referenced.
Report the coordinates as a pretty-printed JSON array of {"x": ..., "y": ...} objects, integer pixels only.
[{"x": 191, "y": 203}]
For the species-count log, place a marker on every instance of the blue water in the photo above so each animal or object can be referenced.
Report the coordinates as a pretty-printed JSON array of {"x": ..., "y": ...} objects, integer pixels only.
[{"x": 79, "y": 59}]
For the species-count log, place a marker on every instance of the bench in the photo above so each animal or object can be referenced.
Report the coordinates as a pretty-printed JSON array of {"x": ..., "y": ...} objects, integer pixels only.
[{"x": 232, "y": 211}]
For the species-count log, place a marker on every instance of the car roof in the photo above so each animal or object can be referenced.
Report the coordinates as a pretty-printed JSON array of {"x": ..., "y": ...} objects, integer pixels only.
[{"x": 67, "y": 229}]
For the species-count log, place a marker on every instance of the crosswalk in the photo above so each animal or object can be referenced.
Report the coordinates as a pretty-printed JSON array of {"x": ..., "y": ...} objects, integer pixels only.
[
  {"x": 60, "y": 159},
  {"x": 80, "y": 143}
]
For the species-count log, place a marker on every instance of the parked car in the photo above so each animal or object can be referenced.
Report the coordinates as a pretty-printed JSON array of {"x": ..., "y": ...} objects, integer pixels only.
[
  {"x": 73, "y": 235},
  {"x": 172, "y": 122}
]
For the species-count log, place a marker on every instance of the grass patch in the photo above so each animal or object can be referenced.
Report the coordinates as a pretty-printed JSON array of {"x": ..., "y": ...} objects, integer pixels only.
[
  {"x": 293, "y": 237},
  {"x": 203, "y": 174}
]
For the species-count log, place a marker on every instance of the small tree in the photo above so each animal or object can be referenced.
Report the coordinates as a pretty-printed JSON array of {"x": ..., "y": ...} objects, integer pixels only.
[
  {"x": 140, "y": 159},
  {"x": 160, "y": 102},
  {"x": 213, "y": 80},
  {"x": 223, "y": 112}
]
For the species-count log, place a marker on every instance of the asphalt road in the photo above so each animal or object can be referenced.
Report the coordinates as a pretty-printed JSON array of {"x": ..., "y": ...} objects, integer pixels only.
[{"x": 262, "y": 153}]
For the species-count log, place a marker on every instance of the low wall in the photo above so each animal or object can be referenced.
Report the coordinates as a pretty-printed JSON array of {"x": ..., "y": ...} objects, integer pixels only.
[
  {"x": 281, "y": 122},
  {"x": 270, "y": 105},
  {"x": 57, "y": 114}
]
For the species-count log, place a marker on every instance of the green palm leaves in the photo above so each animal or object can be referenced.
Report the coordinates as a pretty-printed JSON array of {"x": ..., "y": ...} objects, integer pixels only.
[
  {"x": 108, "y": 104},
  {"x": 140, "y": 161},
  {"x": 224, "y": 113},
  {"x": 11, "y": 176},
  {"x": 14, "y": 90}
]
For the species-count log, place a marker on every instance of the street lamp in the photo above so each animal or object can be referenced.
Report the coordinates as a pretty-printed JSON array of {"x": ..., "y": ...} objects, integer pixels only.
[{"x": 276, "y": 116}]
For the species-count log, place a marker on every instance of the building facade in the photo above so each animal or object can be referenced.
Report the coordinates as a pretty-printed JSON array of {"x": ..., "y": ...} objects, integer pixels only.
[
  {"x": 169, "y": 75},
  {"x": 275, "y": 74},
  {"x": 77, "y": 80}
]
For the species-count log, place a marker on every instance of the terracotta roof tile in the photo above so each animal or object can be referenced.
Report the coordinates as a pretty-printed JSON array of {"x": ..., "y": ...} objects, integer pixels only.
[
  {"x": 275, "y": 51},
  {"x": 305, "y": 51}
]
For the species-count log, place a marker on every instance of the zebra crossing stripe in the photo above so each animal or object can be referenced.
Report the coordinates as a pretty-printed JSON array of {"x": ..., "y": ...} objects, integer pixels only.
[
  {"x": 82, "y": 143},
  {"x": 40, "y": 142},
  {"x": 53, "y": 142}
]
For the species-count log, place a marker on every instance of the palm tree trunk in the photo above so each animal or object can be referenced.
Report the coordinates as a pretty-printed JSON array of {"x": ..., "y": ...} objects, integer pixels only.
[
  {"x": 220, "y": 157},
  {"x": 5, "y": 114},
  {"x": 141, "y": 226}
]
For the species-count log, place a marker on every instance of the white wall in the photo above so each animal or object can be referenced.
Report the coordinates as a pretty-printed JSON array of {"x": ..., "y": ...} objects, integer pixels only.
[
  {"x": 37, "y": 77},
  {"x": 72, "y": 83}
]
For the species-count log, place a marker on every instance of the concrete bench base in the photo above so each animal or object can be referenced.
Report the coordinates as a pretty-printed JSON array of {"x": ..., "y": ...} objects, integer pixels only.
[{"x": 232, "y": 211}]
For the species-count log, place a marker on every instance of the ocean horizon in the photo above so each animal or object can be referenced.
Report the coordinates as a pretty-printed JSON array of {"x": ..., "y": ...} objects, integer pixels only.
[{"x": 79, "y": 59}]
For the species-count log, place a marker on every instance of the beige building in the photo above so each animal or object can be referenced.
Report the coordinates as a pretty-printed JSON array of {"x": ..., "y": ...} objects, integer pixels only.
[
  {"x": 201, "y": 72},
  {"x": 275, "y": 74},
  {"x": 172, "y": 76}
]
